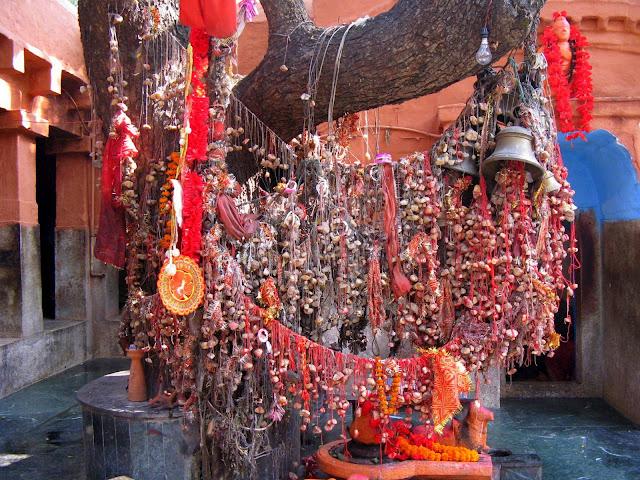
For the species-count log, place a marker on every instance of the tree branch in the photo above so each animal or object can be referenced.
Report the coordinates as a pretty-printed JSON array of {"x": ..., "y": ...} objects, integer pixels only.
[
  {"x": 414, "y": 49},
  {"x": 283, "y": 15}
]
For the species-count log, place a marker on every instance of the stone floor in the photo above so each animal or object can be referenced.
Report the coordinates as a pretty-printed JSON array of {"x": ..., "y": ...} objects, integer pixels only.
[
  {"x": 41, "y": 425},
  {"x": 577, "y": 439}
]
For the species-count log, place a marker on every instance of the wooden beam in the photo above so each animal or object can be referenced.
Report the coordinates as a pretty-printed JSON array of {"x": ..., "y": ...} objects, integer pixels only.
[
  {"x": 21, "y": 120},
  {"x": 10, "y": 95},
  {"x": 46, "y": 81},
  {"x": 57, "y": 146}
]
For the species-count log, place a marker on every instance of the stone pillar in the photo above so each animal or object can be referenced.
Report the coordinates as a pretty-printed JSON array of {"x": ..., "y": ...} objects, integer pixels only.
[
  {"x": 86, "y": 289},
  {"x": 489, "y": 385},
  {"x": 21, "y": 292},
  {"x": 73, "y": 194}
]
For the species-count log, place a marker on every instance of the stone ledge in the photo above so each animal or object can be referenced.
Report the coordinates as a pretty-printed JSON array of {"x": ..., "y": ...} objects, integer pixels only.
[
  {"x": 108, "y": 396},
  {"x": 532, "y": 389},
  {"x": 24, "y": 361}
]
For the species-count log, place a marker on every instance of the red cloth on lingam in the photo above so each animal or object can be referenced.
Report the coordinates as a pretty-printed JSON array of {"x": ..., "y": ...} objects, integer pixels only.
[
  {"x": 400, "y": 284},
  {"x": 449, "y": 380},
  {"x": 110, "y": 239}
]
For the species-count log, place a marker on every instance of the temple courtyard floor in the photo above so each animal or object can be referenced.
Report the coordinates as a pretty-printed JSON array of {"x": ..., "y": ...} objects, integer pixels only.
[{"x": 577, "y": 439}]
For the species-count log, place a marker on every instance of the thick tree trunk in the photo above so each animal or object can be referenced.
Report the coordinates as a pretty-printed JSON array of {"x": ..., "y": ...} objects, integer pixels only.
[
  {"x": 417, "y": 47},
  {"x": 95, "y": 21}
]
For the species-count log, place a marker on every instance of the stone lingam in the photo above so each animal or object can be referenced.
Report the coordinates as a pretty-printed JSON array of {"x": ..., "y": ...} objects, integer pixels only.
[{"x": 365, "y": 454}]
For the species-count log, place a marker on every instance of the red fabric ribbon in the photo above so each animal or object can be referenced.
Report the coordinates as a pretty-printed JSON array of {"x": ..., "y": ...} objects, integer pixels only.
[
  {"x": 400, "y": 284},
  {"x": 110, "y": 239}
]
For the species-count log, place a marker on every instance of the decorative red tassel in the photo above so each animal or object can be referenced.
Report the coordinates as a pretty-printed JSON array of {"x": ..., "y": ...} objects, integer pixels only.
[
  {"x": 374, "y": 290},
  {"x": 192, "y": 215},
  {"x": 198, "y": 101},
  {"x": 400, "y": 284}
]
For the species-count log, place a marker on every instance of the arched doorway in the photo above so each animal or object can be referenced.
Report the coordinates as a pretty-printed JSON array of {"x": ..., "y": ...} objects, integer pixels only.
[{"x": 604, "y": 177}]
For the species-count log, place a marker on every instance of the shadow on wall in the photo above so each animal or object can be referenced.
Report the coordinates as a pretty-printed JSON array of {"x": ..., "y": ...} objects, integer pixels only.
[{"x": 603, "y": 176}]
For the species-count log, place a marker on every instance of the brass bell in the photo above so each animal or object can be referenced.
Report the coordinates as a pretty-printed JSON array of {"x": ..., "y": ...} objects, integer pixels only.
[
  {"x": 513, "y": 144},
  {"x": 549, "y": 182}
]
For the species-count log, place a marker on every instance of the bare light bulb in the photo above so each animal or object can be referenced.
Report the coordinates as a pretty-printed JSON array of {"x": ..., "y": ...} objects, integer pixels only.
[{"x": 483, "y": 55}]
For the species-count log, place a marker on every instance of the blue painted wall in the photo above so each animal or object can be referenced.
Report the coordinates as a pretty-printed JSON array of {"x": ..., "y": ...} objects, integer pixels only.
[{"x": 603, "y": 176}]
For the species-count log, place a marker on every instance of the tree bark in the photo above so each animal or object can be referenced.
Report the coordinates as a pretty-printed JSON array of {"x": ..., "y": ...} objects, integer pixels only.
[{"x": 416, "y": 48}]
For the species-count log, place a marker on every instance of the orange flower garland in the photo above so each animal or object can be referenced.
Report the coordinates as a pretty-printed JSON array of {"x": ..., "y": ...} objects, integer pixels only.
[
  {"x": 437, "y": 452},
  {"x": 165, "y": 194},
  {"x": 390, "y": 407}
]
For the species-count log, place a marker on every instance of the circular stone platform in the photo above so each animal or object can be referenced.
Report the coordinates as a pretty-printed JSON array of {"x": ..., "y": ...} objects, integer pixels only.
[{"x": 123, "y": 438}]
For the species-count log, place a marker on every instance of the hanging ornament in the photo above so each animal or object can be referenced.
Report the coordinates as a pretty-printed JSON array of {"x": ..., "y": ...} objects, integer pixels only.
[
  {"x": 513, "y": 144},
  {"x": 181, "y": 285},
  {"x": 569, "y": 71},
  {"x": 483, "y": 55}
]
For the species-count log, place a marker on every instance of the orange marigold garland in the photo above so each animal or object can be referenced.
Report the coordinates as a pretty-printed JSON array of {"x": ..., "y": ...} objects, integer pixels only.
[
  {"x": 164, "y": 203},
  {"x": 387, "y": 407},
  {"x": 577, "y": 84},
  {"x": 436, "y": 452}
]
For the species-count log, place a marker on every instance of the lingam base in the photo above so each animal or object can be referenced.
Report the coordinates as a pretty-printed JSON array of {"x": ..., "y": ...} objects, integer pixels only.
[{"x": 403, "y": 470}]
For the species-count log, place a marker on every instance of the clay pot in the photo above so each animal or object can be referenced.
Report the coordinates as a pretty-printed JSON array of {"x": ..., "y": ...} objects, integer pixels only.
[{"x": 137, "y": 390}]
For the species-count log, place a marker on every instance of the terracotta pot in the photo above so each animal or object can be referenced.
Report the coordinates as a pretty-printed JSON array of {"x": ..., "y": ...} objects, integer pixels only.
[{"x": 137, "y": 390}]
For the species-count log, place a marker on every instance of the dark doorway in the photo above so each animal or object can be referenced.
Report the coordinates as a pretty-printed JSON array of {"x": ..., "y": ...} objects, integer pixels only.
[
  {"x": 562, "y": 365},
  {"x": 46, "y": 198}
]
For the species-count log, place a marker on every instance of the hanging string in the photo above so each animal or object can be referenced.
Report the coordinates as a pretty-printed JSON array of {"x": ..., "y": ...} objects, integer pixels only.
[
  {"x": 260, "y": 134},
  {"x": 336, "y": 70}
]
